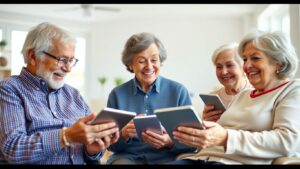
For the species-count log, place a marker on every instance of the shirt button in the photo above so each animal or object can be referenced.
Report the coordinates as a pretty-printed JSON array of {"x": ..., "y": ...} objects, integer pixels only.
[
  {"x": 146, "y": 97},
  {"x": 146, "y": 110},
  {"x": 37, "y": 88}
]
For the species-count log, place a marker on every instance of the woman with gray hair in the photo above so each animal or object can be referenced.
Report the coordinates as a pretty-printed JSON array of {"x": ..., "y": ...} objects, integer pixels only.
[
  {"x": 262, "y": 124},
  {"x": 229, "y": 71},
  {"x": 143, "y": 55}
]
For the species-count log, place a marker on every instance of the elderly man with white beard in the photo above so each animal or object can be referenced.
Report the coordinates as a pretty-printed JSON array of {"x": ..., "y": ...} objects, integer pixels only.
[{"x": 42, "y": 119}]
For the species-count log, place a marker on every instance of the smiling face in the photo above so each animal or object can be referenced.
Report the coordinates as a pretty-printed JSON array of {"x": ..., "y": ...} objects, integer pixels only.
[
  {"x": 259, "y": 68},
  {"x": 146, "y": 66},
  {"x": 47, "y": 67},
  {"x": 228, "y": 71}
]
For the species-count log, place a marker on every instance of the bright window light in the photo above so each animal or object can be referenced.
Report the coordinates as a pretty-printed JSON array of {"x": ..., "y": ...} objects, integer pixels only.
[
  {"x": 17, "y": 60},
  {"x": 275, "y": 18},
  {"x": 76, "y": 77}
]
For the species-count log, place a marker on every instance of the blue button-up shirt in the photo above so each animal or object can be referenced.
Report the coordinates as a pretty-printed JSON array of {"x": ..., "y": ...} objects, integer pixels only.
[
  {"x": 129, "y": 96},
  {"x": 31, "y": 118}
]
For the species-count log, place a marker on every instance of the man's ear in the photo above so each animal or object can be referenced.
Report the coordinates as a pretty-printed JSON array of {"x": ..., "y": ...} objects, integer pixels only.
[{"x": 31, "y": 57}]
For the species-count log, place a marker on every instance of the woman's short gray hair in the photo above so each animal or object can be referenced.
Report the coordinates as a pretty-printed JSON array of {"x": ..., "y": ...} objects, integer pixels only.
[
  {"x": 230, "y": 46},
  {"x": 138, "y": 43},
  {"x": 278, "y": 47},
  {"x": 40, "y": 38}
]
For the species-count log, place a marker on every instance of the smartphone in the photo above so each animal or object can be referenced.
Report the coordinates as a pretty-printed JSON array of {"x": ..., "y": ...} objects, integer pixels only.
[
  {"x": 213, "y": 100},
  {"x": 149, "y": 122}
]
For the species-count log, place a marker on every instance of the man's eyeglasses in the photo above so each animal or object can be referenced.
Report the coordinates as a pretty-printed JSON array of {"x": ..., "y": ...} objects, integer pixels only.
[{"x": 61, "y": 61}]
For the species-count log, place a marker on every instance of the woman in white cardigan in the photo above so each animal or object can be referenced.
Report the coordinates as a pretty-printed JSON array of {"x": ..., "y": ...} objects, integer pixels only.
[{"x": 261, "y": 124}]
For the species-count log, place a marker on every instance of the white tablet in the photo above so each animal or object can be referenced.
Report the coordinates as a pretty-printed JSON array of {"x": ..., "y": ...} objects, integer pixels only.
[
  {"x": 173, "y": 117},
  {"x": 150, "y": 122},
  {"x": 121, "y": 117}
]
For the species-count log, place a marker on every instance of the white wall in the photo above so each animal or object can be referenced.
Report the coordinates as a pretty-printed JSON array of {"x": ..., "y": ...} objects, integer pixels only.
[
  {"x": 28, "y": 21},
  {"x": 11, "y": 21},
  {"x": 295, "y": 30},
  {"x": 189, "y": 43}
]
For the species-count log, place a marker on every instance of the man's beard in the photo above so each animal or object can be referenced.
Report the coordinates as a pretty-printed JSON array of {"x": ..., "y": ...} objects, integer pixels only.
[{"x": 48, "y": 77}]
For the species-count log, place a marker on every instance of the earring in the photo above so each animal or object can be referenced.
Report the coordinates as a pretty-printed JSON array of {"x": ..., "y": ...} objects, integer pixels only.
[{"x": 277, "y": 71}]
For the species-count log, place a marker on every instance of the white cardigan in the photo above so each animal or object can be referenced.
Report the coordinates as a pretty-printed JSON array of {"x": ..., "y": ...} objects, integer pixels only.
[{"x": 259, "y": 129}]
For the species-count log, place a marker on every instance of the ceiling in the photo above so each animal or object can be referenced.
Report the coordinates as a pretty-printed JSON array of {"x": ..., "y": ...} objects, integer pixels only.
[{"x": 74, "y": 12}]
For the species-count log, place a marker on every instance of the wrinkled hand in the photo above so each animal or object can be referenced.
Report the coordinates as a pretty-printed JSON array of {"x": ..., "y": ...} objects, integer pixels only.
[
  {"x": 102, "y": 144},
  {"x": 128, "y": 131},
  {"x": 156, "y": 140},
  {"x": 81, "y": 132},
  {"x": 214, "y": 135},
  {"x": 209, "y": 114}
]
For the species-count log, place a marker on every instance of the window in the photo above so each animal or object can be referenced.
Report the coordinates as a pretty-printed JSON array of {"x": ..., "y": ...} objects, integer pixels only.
[
  {"x": 75, "y": 78},
  {"x": 285, "y": 23},
  {"x": 17, "y": 61},
  {"x": 275, "y": 17},
  {"x": 0, "y": 34}
]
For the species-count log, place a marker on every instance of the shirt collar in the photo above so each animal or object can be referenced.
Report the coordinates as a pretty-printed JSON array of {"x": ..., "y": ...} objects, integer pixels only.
[
  {"x": 155, "y": 86},
  {"x": 35, "y": 82}
]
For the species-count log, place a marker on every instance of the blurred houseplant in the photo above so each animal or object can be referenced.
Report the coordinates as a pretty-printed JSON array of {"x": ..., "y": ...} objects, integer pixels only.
[
  {"x": 118, "y": 81},
  {"x": 102, "y": 80},
  {"x": 3, "y": 43}
]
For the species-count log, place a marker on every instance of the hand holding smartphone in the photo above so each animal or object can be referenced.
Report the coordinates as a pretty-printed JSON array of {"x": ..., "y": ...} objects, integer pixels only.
[
  {"x": 213, "y": 100},
  {"x": 150, "y": 122}
]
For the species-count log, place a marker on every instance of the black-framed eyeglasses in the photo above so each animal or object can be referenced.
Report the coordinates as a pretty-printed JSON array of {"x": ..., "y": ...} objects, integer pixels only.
[{"x": 61, "y": 61}]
